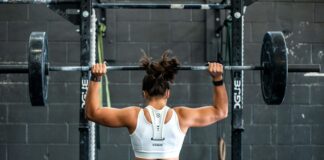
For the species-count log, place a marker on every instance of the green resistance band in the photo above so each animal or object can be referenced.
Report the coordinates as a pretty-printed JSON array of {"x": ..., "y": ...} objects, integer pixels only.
[{"x": 101, "y": 30}]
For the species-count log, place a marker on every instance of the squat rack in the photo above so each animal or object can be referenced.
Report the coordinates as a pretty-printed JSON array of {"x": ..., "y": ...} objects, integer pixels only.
[{"x": 79, "y": 13}]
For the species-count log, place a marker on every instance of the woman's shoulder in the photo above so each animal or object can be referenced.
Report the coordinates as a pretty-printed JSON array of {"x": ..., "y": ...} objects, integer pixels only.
[
  {"x": 179, "y": 109},
  {"x": 133, "y": 109}
]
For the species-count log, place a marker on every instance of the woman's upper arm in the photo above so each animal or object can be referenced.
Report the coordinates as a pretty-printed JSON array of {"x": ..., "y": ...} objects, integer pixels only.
[
  {"x": 115, "y": 117},
  {"x": 199, "y": 117}
]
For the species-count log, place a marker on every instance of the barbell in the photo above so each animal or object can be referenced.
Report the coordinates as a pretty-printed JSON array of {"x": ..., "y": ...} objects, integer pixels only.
[{"x": 274, "y": 68}]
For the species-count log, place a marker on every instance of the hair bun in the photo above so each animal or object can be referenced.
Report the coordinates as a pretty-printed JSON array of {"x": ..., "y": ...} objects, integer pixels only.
[
  {"x": 163, "y": 69},
  {"x": 170, "y": 65}
]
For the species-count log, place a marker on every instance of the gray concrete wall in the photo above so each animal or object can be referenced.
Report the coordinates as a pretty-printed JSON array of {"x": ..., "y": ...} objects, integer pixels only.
[{"x": 293, "y": 130}]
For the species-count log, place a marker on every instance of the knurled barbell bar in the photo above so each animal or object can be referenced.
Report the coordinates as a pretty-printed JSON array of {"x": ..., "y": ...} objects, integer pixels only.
[
  {"x": 274, "y": 68},
  {"x": 10, "y": 68}
]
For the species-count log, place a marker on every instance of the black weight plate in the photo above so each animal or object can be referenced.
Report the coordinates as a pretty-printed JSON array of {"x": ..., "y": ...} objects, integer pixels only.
[
  {"x": 274, "y": 59},
  {"x": 38, "y": 75}
]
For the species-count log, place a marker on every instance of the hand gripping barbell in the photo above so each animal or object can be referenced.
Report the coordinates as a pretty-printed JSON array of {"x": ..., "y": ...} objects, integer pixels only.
[{"x": 274, "y": 68}]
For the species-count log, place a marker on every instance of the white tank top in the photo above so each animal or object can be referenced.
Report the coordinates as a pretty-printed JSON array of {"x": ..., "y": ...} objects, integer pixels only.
[{"x": 157, "y": 140}]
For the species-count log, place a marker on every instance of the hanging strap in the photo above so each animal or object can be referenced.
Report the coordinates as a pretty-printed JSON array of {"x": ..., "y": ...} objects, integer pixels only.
[{"x": 158, "y": 119}]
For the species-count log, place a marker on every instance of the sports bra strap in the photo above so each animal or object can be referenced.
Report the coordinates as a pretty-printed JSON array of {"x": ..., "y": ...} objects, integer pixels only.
[{"x": 158, "y": 119}]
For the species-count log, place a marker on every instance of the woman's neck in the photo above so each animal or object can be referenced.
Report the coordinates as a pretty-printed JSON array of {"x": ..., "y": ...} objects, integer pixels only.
[{"x": 158, "y": 103}]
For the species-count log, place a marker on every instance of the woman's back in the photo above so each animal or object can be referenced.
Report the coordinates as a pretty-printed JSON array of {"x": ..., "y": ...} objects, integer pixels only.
[{"x": 155, "y": 136}]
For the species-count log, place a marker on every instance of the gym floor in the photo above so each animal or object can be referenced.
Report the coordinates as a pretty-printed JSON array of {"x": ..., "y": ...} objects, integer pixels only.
[{"x": 291, "y": 131}]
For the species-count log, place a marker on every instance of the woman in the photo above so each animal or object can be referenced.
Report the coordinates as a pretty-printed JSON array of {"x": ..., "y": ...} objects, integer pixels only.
[{"x": 157, "y": 131}]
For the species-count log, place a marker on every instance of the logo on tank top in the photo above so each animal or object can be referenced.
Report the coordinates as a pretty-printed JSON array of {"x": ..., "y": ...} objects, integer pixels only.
[{"x": 157, "y": 144}]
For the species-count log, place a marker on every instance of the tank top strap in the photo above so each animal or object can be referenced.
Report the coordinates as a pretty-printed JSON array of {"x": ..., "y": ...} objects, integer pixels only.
[{"x": 140, "y": 116}]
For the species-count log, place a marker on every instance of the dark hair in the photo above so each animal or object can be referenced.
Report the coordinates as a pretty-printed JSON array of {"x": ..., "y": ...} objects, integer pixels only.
[{"x": 159, "y": 73}]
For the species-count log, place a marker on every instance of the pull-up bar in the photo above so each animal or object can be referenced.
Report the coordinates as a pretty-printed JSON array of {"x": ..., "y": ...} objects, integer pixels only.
[{"x": 126, "y": 5}]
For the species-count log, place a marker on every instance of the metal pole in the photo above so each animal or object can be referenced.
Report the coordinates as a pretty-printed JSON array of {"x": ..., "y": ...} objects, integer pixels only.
[
  {"x": 129, "y": 68},
  {"x": 304, "y": 68},
  {"x": 13, "y": 69},
  {"x": 126, "y": 5},
  {"x": 159, "y": 6},
  {"x": 237, "y": 95},
  {"x": 24, "y": 68},
  {"x": 35, "y": 1},
  {"x": 84, "y": 128},
  {"x": 291, "y": 68}
]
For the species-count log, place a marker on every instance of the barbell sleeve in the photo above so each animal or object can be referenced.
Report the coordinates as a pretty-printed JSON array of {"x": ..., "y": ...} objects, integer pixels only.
[
  {"x": 304, "y": 68},
  {"x": 9, "y": 68},
  {"x": 36, "y": 1}
]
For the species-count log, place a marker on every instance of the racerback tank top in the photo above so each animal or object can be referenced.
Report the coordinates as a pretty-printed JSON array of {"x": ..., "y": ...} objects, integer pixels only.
[{"x": 157, "y": 140}]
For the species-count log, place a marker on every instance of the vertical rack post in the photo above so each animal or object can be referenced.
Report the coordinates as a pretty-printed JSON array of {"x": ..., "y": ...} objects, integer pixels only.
[
  {"x": 213, "y": 34},
  {"x": 85, "y": 13},
  {"x": 237, "y": 78}
]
